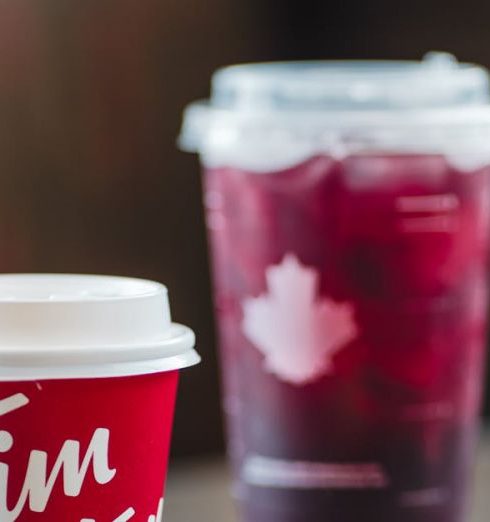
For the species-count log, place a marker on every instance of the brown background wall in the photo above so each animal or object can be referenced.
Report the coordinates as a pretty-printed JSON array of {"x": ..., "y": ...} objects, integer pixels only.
[{"x": 91, "y": 94}]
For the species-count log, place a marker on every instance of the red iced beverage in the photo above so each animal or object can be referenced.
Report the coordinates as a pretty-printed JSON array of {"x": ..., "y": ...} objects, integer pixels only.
[
  {"x": 350, "y": 291},
  {"x": 88, "y": 379}
]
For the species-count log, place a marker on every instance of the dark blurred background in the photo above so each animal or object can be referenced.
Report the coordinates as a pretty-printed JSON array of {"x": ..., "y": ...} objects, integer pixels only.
[{"x": 91, "y": 97}]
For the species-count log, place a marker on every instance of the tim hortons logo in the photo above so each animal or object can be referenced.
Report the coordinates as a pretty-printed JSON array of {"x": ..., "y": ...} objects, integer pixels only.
[
  {"x": 69, "y": 465},
  {"x": 297, "y": 331}
]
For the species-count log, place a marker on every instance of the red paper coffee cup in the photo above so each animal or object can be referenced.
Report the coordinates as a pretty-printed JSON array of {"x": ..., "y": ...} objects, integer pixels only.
[{"x": 88, "y": 378}]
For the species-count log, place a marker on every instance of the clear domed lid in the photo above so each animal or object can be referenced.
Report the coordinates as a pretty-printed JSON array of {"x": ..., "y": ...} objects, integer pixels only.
[{"x": 291, "y": 110}]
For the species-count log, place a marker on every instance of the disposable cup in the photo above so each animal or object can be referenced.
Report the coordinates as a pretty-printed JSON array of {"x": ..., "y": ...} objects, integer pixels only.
[
  {"x": 347, "y": 207},
  {"x": 88, "y": 378}
]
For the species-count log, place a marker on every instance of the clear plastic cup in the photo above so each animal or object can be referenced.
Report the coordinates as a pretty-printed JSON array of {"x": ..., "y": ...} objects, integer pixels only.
[
  {"x": 348, "y": 213},
  {"x": 88, "y": 377}
]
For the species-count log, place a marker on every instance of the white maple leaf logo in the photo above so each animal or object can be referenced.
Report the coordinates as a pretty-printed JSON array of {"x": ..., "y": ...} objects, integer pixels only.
[{"x": 297, "y": 332}]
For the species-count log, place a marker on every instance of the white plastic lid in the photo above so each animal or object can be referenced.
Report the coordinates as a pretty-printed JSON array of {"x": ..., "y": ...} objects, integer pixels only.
[
  {"x": 83, "y": 326},
  {"x": 433, "y": 104}
]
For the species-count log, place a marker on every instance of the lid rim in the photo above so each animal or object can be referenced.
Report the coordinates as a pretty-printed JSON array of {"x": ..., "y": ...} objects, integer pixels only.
[
  {"x": 204, "y": 106},
  {"x": 205, "y": 126},
  {"x": 57, "y": 355},
  {"x": 108, "y": 371}
]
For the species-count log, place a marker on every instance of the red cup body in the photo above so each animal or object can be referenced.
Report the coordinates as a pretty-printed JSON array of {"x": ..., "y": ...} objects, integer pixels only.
[{"x": 91, "y": 450}]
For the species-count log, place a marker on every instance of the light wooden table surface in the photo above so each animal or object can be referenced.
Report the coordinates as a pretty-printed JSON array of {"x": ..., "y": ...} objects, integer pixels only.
[{"x": 197, "y": 490}]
